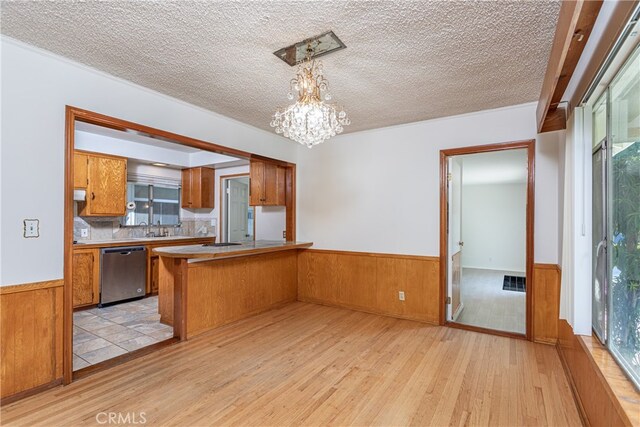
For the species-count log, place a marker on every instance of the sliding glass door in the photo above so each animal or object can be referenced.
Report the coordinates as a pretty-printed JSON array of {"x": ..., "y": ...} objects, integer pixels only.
[
  {"x": 616, "y": 217},
  {"x": 624, "y": 217}
]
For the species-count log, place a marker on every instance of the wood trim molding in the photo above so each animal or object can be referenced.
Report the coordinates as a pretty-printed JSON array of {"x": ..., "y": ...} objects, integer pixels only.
[
  {"x": 530, "y": 145},
  {"x": 120, "y": 124},
  {"x": 622, "y": 13},
  {"x": 575, "y": 22},
  {"x": 485, "y": 330},
  {"x": 31, "y": 392},
  {"x": 602, "y": 393},
  {"x": 11, "y": 289},
  {"x": 555, "y": 120},
  {"x": 375, "y": 254}
]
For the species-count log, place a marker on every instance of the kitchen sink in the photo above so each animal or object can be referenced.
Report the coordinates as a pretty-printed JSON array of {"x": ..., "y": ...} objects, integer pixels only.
[{"x": 221, "y": 244}]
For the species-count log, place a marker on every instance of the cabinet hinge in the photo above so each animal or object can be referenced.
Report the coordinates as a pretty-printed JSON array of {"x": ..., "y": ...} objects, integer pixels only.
[{"x": 448, "y": 300}]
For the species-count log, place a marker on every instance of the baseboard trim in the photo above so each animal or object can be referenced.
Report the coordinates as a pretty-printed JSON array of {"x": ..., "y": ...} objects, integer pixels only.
[
  {"x": 546, "y": 341},
  {"x": 119, "y": 360},
  {"x": 31, "y": 392},
  {"x": 364, "y": 310}
]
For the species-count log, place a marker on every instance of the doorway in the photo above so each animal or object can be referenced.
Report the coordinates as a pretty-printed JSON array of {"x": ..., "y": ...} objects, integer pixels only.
[
  {"x": 486, "y": 244},
  {"x": 237, "y": 217}
]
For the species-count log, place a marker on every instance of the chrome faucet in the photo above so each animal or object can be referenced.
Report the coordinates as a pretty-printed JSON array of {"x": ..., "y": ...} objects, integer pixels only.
[{"x": 147, "y": 228}]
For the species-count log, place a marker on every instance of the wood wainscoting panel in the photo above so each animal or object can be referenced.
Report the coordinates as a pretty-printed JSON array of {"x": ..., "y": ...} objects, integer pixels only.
[
  {"x": 222, "y": 291},
  {"x": 31, "y": 336},
  {"x": 371, "y": 282},
  {"x": 546, "y": 302},
  {"x": 595, "y": 399}
]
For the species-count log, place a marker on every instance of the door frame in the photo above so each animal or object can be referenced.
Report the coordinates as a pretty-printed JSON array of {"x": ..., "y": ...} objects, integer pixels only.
[
  {"x": 444, "y": 215},
  {"x": 222, "y": 179},
  {"x": 73, "y": 114}
]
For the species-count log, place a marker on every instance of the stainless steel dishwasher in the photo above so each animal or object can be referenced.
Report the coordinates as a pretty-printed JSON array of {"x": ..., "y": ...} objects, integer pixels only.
[{"x": 123, "y": 274}]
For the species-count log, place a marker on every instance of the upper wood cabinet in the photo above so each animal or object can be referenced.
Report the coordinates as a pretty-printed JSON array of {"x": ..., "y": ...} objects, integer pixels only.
[
  {"x": 197, "y": 188},
  {"x": 80, "y": 170},
  {"x": 86, "y": 277},
  {"x": 267, "y": 184},
  {"x": 106, "y": 178}
]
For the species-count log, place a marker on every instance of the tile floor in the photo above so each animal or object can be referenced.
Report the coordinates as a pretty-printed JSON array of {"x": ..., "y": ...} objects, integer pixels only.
[
  {"x": 487, "y": 305},
  {"x": 103, "y": 333}
]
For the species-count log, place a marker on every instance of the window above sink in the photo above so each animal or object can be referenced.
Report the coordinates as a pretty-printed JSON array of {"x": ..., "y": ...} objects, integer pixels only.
[{"x": 152, "y": 204}]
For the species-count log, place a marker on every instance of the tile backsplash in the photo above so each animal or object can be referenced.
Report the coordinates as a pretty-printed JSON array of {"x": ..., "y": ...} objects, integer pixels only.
[{"x": 104, "y": 228}]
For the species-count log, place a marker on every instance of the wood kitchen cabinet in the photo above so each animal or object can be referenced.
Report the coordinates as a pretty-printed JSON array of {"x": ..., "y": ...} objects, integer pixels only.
[
  {"x": 86, "y": 277},
  {"x": 197, "y": 188},
  {"x": 106, "y": 178},
  {"x": 267, "y": 184},
  {"x": 80, "y": 170}
]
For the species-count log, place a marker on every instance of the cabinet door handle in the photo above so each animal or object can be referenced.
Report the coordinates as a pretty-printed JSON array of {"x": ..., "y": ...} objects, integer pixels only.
[{"x": 93, "y": 196}]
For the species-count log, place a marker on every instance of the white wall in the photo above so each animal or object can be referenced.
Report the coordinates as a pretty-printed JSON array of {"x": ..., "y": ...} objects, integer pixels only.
[
  {"x": 378, "y": 190},
  {"x": 494, "y": 226},
  {"x": 371, "y": 191},
  {"x": 270, "y": 222},
  {"x": 36, "y": 86}
]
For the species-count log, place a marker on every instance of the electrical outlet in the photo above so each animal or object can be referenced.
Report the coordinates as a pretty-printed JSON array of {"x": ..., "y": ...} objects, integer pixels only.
[
  {"x": 401, "y": 295},
  {"x": 31, "y": 228},
  {"x": 84, "y": 232},
  {"x": 284, "y": 234}
]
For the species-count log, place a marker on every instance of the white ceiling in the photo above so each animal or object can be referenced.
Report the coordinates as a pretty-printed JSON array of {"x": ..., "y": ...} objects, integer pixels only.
[
  {"x": 405, "y": 60},
  {"x": 498, "y": 167}
]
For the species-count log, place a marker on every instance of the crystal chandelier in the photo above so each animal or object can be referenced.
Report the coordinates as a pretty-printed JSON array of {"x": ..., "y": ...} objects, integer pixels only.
[{"x": 310, "y": 120}]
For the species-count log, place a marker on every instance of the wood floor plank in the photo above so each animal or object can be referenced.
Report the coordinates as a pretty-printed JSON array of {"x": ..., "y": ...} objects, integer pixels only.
[{"x": 306, "y": 364}]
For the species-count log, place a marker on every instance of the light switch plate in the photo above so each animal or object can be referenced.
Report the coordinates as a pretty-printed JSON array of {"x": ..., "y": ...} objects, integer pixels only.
[
  {"x": 31, "y": 228},
  {"x": 84, "y": 232}
]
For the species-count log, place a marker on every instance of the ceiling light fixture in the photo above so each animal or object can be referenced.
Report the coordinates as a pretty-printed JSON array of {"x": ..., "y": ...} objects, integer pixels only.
[{"x": 310, "y": 121}]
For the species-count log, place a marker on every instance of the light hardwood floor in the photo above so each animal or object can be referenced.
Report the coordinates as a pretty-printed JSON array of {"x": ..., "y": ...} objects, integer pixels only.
[{"x": 307, "y": 364}]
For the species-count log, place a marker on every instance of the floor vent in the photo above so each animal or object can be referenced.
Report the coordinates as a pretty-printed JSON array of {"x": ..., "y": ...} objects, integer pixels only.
[{"x": 514, "y": 283}]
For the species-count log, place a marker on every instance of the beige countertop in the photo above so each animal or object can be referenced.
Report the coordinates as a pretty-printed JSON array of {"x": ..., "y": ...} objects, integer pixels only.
[
  {"x": 202, "y": 253},
  {"x": 138, "y": 241}
]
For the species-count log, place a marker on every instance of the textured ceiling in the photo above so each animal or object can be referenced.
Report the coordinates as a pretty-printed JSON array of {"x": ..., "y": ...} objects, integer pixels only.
[{"x": 405, "y": 60}]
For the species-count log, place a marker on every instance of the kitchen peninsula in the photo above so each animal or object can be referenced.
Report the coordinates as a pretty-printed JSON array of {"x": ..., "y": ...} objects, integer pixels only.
[{"x": 203, "y": 287}]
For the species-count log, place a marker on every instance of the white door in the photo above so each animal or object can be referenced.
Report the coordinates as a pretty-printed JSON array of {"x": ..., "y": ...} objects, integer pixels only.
[
  {"x": 238, "y": 210},
  {"x": 455, "y": 238}
]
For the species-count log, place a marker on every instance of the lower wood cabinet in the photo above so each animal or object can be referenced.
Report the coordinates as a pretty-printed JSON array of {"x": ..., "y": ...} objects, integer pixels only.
[
  {"x": 86, "y": 270},
  {"x": 86, "y": 277}
]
